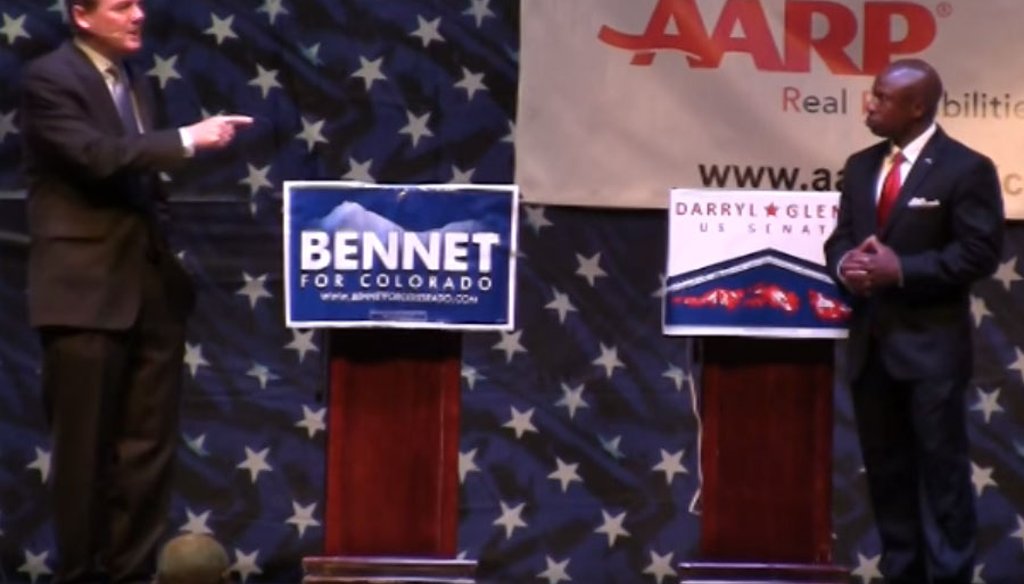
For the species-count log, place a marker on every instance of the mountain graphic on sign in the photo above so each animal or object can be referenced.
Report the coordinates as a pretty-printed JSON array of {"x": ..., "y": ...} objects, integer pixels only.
[{"x": 351, "y": 216}]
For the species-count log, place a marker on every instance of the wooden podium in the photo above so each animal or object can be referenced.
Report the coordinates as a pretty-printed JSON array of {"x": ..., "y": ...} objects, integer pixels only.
[
  {"x": 766, "y": 460},
  {"x": 392, "y": 459}
]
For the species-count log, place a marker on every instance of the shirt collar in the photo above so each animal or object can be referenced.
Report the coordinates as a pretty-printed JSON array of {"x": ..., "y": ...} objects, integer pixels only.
[
  {"x": 102, "y": 63},
  {"x": 912, "y": 150}
]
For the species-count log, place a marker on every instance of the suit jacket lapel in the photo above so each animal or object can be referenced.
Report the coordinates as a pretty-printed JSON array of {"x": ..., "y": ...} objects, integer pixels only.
[
  {"x": 868, "y": 177},
  {"x": 92, "y": 83},
  {"x": 143, "y": 99},
  {"x": 922, "y": 166}
]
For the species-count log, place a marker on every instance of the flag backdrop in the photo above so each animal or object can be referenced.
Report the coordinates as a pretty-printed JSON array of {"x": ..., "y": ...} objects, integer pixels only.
[
  {"x": 578, "y": 450},
  {"x": 621, "y": 100}
]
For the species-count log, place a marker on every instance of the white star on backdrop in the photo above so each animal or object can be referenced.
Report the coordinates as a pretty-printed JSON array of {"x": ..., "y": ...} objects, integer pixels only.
[
  {"x": 461, "y": 177},
  {"x": 1018, "y": 362},
  {"x": 511, "y": 136},
  {"x": 471, "y": 82},
  {"x": 262, "y": 374},
  {"x": 978, "y": 309},
  {"x": 359, "y": 171},
  {"x": 1019, "y": 534},
  {"x": 511, "y": 518},
  {"x": 255, "y": 463},
  {"x": 312, "y": 133},
  {"x": 520, "y": 422},
  {"x": 671, "y": 464},
  {"x": 590, "y": 268},
  {"x": 612, "y": 447},
  {"x": 302, "y": 517},
  {"x": 163, "y": 69},
  {"x": 35, "y": 565},
  {"x": 987, "y": 404},
  {"x": 471, "y": 375},
  {"x": 565, "y": 474},
  {"x": 660, "y": 566},
  {"x": 867, "y": 568},
  {"x": 609, "y": 359},
  {"x": 427, "y": 30},
  {"x": 678, "y": 376},
  {"x": 194, "y": 358},
  {"x": 273, "y": 9},
  {"x": 196, "y": 445},
  {"x": 254, "y": 288},
  {"x": 369, "y": 71},
  {"x": 312, "y": 54},
  {"x": 416, "y": 128},
  {"x": 14, "y": 28},
  {"x": 1018, "y": 447},
  {"x": 41, "y": 463},
  {"x": 196, "y": 524},
  {"x": 266, "y": 79},
  {"x": 245, "y": 564},
  {"x": 977, "y": 579},
  {"x": 7, "y": 125},
  {"x": 1007, "y": 274},
  {"x": 509, "y": 343},
  {"x": 220, "y": 28},
  {"x": 60, "y": 7},
  {"x": 479, "y": 10},
  {"x": 555, "y": 572},
  {"x": 612, "y": 527},
  {"x": 572, "y": 399},
  {"x": 467, "y": 464},
  {"x": 659, "y": 292},
  {"x": 312, "y": 421},
  {"x": 981, "y": 477},
  {"x": 561, "y": 304},
  {"x": 302, "y": 343},
  {"x": 256, "y": 178},
  {"x": 535, "y": 218}
]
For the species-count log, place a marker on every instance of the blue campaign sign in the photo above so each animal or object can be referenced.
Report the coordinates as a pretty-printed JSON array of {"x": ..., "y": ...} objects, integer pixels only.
[{"x": 401, "y": 256}]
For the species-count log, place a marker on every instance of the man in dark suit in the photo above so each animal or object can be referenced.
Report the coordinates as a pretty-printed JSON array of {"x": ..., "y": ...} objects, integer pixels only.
[
  {"x": 105, "y": 291},
  {"x": 920, "y": 220}
]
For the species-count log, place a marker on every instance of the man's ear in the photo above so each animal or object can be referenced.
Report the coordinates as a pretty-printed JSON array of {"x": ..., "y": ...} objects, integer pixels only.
[{"x": 80, "y": 16}]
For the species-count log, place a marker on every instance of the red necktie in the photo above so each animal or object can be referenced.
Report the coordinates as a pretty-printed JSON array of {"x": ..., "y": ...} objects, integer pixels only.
[{"x": 890, "y": 189}]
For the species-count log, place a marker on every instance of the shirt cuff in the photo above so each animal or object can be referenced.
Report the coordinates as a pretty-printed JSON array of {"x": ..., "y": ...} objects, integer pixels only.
[{"x": 187, "y": 143}]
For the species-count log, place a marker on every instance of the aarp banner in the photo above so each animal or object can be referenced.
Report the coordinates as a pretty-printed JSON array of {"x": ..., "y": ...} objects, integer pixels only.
[
  {"x": 621, "y": 100},
  {"x": 751, "y": 263},
  {"x": 402, "y": 256}
]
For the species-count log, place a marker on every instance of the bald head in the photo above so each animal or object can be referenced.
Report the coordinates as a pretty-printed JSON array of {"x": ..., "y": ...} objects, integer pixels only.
[
  {"x": 905, "y": 100},
  {"x": 192, "y": 559},
  {"x": 922, "y": 79}
]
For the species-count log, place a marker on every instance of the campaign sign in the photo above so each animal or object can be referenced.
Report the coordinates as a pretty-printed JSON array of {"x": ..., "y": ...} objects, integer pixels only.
[
  {"x": 401, "y": 256},
  {"x": 751, "y": 263}
]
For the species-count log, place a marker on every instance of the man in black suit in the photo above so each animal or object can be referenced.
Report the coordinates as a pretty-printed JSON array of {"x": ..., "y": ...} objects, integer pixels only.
[
  {"x": 909, "y": 255},
  {"x": 105, "y": 291}
]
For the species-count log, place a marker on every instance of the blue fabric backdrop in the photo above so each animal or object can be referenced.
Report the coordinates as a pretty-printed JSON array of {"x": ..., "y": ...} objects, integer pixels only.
[{"x": 578, "y": 452}]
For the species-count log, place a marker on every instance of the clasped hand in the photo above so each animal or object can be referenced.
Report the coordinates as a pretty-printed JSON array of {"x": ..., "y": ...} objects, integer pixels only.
[{"x": 870, "y": 267}]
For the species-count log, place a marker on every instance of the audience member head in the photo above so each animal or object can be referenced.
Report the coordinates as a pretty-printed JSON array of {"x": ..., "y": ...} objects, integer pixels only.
[{"x": 192, "y": 559}]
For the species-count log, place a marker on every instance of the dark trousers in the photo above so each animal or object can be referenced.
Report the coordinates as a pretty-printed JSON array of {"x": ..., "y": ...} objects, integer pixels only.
[
  {"x": 914, "y": 439},
  {"x": 112, "y": 400}
]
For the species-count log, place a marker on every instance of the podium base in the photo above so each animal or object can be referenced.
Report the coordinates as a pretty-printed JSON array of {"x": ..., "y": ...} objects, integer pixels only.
[
  {"x": 761, "y": 573},
  {"x": 389, "y": 569}
]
